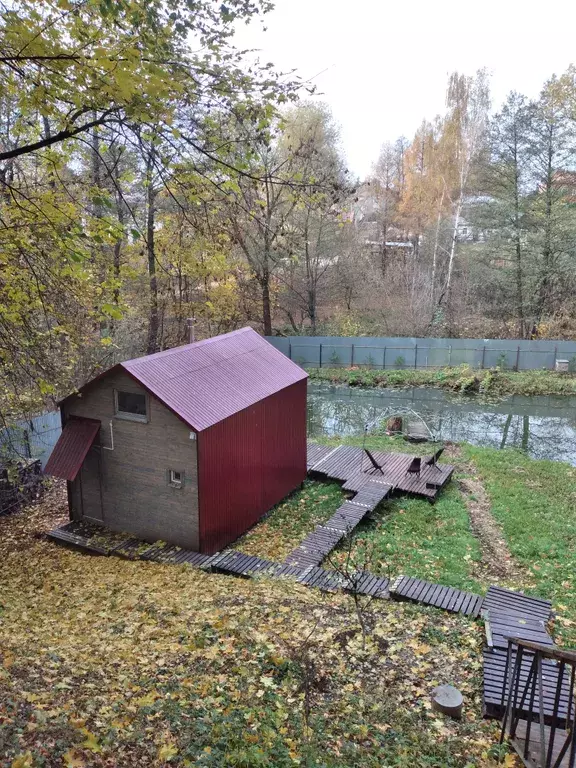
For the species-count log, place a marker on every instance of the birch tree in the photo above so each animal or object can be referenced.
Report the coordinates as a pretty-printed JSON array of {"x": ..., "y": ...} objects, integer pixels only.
[{"x": 462, "y": 138}]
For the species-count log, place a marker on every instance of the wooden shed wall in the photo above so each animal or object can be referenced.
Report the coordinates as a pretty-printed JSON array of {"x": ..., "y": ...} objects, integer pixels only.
[
  {"x": 248, "y": 463},
  {"x": 127, "y": 489}
]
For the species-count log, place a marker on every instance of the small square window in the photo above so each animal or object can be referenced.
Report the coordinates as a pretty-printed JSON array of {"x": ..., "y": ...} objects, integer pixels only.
[
  {"x": 176, "y": 478},
  {"x": 131, "y": 405}
]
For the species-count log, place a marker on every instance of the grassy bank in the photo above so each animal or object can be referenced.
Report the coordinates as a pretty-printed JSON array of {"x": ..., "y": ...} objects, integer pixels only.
[
  {"x": 535, "y": 504},
  {"x": 493, "y": 382}
]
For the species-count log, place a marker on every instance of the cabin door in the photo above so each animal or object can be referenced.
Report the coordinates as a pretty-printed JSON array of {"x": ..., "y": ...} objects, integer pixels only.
[{"x": 90, "y": 484}]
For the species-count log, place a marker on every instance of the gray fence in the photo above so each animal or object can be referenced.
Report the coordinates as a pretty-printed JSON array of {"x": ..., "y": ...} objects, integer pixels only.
[
  {"x": 31, "y": 439},
  {"x": 381, "y": 352}
]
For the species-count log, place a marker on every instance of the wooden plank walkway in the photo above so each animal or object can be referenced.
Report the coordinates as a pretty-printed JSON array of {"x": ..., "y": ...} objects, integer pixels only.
[
  {"x": 512, "y": 614},
  {"x": 318, "y": 544},
  {"x": 500, "y": 625},
  {"x": 534, "y": 753},
  {"x": 516, "y": 603},
  {"x": 350, "y": 465},
  {"x": 69, "y": 534},
  {"x": 436, "y": 595},
  {"x": 361, "y": 583},
  {"x": 495, "y": 673}
]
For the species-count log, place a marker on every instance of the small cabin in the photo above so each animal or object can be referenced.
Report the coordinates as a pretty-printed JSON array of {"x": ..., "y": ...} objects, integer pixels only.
[{"x": 191, "y": 445}]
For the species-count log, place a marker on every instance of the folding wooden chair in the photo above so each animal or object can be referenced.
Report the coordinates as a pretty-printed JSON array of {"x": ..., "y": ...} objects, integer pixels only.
[
  {"x": 433, "y": 460},
  {"x": 415, "y": 466},
  {"x": 373, "y": 461}
]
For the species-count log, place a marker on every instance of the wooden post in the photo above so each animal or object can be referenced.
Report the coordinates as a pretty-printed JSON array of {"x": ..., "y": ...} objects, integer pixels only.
[
  {"x": 416, "y": 356},
  {"x": 449, "y": 355},
  {"x": 290, "y": 350},
  {"x": 352, "y": 357},
  {"x": 384, "y": 359},
  {"x": 555, "y": 356},
  {"x": 517, "y": 358},
  {"x": 483, "y": 355},
  {"x": 320, "y": 355}
]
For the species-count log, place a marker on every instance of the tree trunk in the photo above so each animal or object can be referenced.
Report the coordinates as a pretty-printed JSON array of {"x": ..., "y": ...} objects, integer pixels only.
[
  {"x": 153, "y": 320},
  {"x": 448, "y": 288},
  {"x": 266, "y": 310},
  {"x": 546, "y": 276},
  {"x": 435, "y": 253},
  {"x": 118, "y": 243}
]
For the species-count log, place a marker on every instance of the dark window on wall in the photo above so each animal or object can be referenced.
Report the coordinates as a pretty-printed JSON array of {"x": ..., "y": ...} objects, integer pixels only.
[
  {"x": 176, "y": 478},
  {"x": 131, "y": 405}
]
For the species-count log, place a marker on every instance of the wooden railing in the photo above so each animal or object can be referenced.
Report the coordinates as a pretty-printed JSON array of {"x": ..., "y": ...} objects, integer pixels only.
[{"x": 538, "y": 696}]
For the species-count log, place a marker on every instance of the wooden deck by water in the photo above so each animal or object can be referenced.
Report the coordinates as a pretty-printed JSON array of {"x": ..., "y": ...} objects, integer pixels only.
[{"x": 352, "y": 466}]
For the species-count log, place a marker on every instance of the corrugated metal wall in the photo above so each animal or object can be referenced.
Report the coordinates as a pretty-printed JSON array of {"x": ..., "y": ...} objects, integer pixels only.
[
  {"x": 400, "y": 352},
  {"x": 249, "y": 462},
  {"x": 34, "y": 438}
]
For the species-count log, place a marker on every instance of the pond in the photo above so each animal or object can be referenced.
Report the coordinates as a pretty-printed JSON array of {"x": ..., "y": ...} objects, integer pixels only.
[{"x": 544, "y": 426}]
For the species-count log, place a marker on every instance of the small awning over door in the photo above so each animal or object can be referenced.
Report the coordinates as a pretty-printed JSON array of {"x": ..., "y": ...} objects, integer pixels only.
[{"x": 72, "y": 446}]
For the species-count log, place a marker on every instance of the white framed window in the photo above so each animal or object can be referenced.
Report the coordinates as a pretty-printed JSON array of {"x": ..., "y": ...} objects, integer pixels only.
[
  {"x": 131, "y": 405},
  {"x": 176, "y": 478}
]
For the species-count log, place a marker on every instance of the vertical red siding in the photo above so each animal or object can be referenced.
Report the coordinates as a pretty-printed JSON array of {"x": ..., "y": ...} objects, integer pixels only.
[{"x": 249, "y": 462}]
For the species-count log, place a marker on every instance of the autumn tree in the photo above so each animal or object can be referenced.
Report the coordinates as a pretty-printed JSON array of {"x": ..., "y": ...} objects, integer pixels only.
[
  {"x": 463, "y": 132},
  {"x": 86, "y": 85}
]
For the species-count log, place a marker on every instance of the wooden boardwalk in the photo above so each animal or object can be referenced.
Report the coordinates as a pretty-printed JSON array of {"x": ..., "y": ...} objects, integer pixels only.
[
  {"x": 318, "y": 544},
  {"x": 436, "y": 595},
  {"x": 350, "y": 465},
  {"x": 510, "y": 614}
]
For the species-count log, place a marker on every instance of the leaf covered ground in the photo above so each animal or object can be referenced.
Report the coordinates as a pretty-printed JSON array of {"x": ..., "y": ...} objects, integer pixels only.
[{"x": 107, "y": 662}]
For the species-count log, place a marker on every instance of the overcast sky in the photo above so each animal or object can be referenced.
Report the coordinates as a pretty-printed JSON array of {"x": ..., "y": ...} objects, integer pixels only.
[{"x": 383, "y": 66}]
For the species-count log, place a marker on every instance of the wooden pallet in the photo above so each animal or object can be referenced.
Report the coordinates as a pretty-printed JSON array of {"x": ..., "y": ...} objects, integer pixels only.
[
  {"x": 436, "y": 595},
  {"x": 361, "y": 583},
  {"x": 172, "y": 555},
  {"x": 533, "y": 758},
  {"x": 239, "y": 564},
  {"x": 495, "y": 674},
  {"x": 517, "y": 604},
  {"x": 71, "y": 539},
  {"x": 500, "y": 625},
  {"x": 316, "y": 453},
  {"x": 346, "y": 517}
]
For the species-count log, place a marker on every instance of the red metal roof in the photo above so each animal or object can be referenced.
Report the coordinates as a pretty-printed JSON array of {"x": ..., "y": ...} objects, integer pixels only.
[
  {"x": 205, "y": 382},
  {"x": 72, "y": 446}
]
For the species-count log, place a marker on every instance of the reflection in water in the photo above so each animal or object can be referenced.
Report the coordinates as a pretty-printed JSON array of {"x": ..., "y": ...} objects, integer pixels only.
[{"x": 544, "y": 426}]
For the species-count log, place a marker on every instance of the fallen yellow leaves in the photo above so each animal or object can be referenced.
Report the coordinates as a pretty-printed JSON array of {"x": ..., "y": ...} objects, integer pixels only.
[{"x": 126, "y": 664}]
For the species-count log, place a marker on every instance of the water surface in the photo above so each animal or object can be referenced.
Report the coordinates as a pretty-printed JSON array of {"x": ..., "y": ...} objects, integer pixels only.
[{"x": 544, "y": 425}]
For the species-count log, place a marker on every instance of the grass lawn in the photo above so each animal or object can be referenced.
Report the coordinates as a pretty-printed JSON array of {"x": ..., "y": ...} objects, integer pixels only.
[
  {"x": 494, "y": 382},
  {"x": 118, "y": 664},
  {"x": 413, "y": 537},
  {"x": 292, "y": 520}
]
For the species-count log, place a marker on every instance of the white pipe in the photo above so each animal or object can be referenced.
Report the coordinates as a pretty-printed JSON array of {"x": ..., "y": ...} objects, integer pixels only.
[{"x": 106, "y": 448}]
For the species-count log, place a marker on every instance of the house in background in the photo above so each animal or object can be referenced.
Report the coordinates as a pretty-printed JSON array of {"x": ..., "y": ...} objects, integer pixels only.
[{"x": 191, "y": 445}]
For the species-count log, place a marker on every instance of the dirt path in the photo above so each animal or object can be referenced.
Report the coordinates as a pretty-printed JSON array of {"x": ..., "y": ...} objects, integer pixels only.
[{"x": 497, "y": 562}]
